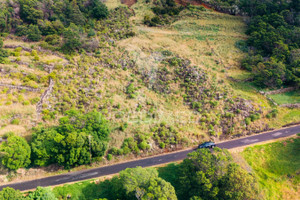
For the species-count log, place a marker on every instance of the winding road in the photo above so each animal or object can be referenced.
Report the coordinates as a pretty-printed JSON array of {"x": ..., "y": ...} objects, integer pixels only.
[{"x": 147, "y": 162}]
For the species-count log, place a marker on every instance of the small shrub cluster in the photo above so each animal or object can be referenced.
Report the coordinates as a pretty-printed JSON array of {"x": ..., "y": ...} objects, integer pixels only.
[
  {"x": 134, "y": 145},
  {"x": 165, "y": 136}
]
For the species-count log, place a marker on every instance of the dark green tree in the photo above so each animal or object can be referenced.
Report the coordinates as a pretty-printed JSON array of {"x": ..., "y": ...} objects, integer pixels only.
[
  {"x": 71, "y": 40},
  {"x": 29, "y": 12},
  {"x": 76, "y": 15},
  {"x": 99, "y": 10},
  {"x": 33, "y": 33},
  {"x": 201, "y": 172},
  {"x": 270, "y": 74},
  {"x": 238, "y": 184}
]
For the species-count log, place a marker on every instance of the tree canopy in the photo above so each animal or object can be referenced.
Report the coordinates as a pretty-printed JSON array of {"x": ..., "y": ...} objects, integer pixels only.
[
  {"x": 78, "y": 138},
  {"x": 15, "y": 152}
]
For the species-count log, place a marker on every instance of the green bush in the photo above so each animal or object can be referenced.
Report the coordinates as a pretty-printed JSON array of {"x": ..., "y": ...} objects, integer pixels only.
[
  {"x": 16, "y": 152},
  {"x": 109, "y": 157},
  {"x": 162, "y": 145},
  {"x": 248, "y": 121},
  {"x": 144, "y": 145},
  {"x": 52, "y": 39},
  {"x": 100, "y": 10},
  {"x": 33, "y": 33},
  {"x": 15, "y": 121}
]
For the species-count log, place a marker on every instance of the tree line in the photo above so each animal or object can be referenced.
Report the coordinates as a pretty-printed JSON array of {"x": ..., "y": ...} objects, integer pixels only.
[
  {"x": 204, "y": 175},
  {"x": 274, "y": 41}
]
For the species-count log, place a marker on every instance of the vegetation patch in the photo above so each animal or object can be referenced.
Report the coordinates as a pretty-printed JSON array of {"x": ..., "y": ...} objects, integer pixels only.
[
  {"x": 287, "y": 97},
  {"x": 277, "y": 167}
]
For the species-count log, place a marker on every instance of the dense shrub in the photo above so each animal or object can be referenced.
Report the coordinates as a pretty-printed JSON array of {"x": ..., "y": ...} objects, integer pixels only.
[
  {"x": 77, "y": 138},
  {"x": 274, "y": 31},
  {"x": 16, "y": 152},
  {"x": 33, "y": 33},
  {"x": 100, "y": 10}
]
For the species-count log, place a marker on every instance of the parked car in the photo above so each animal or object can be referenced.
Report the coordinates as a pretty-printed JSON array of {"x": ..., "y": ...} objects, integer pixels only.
[{"x": 207, "y": 145}]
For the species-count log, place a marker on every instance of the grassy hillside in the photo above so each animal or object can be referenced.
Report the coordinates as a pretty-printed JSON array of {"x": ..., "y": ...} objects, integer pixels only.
[
  {"x": 161, "y": 89},
  {"x": 277, "y": 166}
]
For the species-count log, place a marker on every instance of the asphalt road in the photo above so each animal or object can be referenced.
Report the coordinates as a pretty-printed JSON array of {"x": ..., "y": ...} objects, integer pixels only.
[{"x": 146, "y": 162}]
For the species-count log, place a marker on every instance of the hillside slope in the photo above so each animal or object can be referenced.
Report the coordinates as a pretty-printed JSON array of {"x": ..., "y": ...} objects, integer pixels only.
[{"x": 161, "y": 88}]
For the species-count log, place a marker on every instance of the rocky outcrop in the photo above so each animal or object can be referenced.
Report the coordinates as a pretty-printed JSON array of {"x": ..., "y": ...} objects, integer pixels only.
[
  {"x": 295, "y": 105},
  {"x": 282, "y": 90},
  {"x": 44, "y": 97}
]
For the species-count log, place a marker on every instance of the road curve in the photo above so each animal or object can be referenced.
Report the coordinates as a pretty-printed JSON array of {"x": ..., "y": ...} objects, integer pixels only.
[{"x": 146, "y": 162}]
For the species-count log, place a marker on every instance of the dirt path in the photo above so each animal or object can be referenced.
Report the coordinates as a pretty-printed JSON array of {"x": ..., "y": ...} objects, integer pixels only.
[{"x": 44, "y": 97}]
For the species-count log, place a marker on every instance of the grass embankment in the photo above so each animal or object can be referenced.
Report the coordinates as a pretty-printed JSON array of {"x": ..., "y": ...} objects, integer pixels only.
[
  {"x": 277, "y": 166},
  {"x": 287, "y": 97}
]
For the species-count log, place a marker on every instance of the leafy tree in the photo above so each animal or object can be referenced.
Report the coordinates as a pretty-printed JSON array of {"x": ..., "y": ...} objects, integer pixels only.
[
  {"x": 29, "y": 12},
  {"x": 71, "y": 41},
  {"x": 99, "y": 10},
  {"x": 293, "y": 73},
  {"x": 201, "y": 172},
  {"x": 10, "y": 194},
  {"x": 237, "y": 184},
  {"x": 75, "y": 14},
  {"x": 41, "y": 194},
  {"x": 46, "y": 27},
  {"x": 34, "y": 33},
  {"x": 274, "y": 33},
  {"x": 145, "y": 184},
  {"x": 77, "y": 138},
  {"x": 15, "y": 152},
  {"x": 270, "y": 73}
]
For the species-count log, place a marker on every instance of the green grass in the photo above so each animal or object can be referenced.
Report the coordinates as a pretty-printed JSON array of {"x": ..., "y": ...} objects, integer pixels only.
[
  {"x": 86, "y": 190},
  {"x": 277, "y": 166},
  {"x": 287, "y": 97}
]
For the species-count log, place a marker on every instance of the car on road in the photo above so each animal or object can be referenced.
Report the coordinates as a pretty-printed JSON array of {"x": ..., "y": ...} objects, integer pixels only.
[{"x": 207, "y": 145}]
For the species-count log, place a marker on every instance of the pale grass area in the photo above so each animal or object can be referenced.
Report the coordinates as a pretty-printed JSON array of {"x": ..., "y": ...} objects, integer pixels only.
[
  {"x": 17, "y": 109},
  {"x": 141, "y": 9},
  {"x": 24, "y": 113},
  {"x": 19, "y": 42},
  {"x": 16, "y": 129},
  {"x": 285, "y": 116},
  {"x": 111, "y": 4}
]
